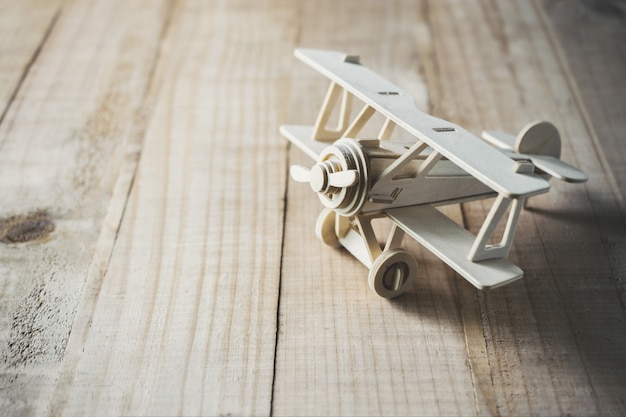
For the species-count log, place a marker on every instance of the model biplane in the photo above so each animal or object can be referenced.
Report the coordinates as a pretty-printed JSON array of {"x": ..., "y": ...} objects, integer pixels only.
[{"x": 358, "y": 179}]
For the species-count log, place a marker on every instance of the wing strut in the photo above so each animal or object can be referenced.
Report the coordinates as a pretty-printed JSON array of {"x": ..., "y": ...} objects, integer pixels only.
[
  {"x": 481, "y": 250},
  {"x": 363, "y": 117},
  {"x": 392, "y": 172},
  {"x": 386, "y": 130},
  {"x": 321, "y": 132}
]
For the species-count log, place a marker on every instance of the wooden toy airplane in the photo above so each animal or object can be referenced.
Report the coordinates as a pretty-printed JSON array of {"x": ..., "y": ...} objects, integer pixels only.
[{"x": 359, "y": 179}]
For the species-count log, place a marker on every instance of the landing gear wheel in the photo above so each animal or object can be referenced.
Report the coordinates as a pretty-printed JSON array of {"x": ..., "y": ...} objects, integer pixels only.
[
  {"x": 325, "y": 228},
  {"x": 392, "y": 273}
]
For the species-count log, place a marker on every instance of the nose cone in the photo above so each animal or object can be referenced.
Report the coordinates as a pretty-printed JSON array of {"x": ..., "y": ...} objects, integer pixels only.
[{"x": 319, "y": 179}]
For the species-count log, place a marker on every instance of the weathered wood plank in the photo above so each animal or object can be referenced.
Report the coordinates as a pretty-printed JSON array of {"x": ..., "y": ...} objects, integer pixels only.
[
  {"x": 592, "y": 37},
  {"x": 184, "y": 320},
  {"x": 543, "y": 334},
  {"x": 72, "y": 127},
  {"x": 181, "y": 317},
  {"x": 530, "y": 348},
  {"x": 341, "y": 349},
  {"x": 24, "y": 29}
]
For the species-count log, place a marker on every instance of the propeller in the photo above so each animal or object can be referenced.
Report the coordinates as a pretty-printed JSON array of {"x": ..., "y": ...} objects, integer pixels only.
[{"x": 324, "y": 175}]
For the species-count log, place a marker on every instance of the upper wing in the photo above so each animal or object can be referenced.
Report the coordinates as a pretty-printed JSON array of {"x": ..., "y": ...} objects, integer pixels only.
[{"x": 482, "y": 161}]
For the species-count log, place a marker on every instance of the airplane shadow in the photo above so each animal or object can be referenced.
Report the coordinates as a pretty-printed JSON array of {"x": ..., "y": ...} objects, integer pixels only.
[{"x": 564, "y": 322}]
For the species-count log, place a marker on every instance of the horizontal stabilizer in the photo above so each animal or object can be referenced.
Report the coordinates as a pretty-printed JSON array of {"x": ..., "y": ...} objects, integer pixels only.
[
  {"x": 546, "y": 163},
  {"x": 558, "y": 169}
]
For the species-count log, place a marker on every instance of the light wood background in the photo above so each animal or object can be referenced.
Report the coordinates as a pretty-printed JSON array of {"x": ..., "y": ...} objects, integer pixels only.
[{"x": 156, "y": 260}]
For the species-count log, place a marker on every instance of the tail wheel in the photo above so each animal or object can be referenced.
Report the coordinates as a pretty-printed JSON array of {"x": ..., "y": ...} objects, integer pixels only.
[
  {"x": 325, "y": 228},
  {"x": 392, "y": 273}
]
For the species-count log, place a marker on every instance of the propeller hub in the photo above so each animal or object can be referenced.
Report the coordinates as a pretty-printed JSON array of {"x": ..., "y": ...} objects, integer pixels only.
[
  {"x": 319, "y": 178},
  {"x": 319, "y": 175},
  {"x": 340, "y": 177}
]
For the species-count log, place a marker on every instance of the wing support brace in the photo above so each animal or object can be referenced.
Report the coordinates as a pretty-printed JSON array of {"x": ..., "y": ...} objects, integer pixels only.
[
  {"x": 320, "y": 131},
  {"x": 345, "y": 129},
  {"x": 481, "y": 250},
  {"x": 357, "y": 235},
  {"x": 395, "y": 168}
]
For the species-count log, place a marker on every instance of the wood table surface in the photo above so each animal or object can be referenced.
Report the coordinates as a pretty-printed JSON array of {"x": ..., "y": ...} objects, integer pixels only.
[{"x": 155, "y": 258}]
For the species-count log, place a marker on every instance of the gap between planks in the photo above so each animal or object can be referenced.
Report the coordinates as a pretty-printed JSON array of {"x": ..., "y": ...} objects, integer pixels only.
[
  {"x": 28, "y": 64},
  {"x": 557, "y": 48}
]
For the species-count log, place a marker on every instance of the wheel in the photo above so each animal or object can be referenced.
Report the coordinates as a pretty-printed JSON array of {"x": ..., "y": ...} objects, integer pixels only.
[
  {"x": 325, "y": 228},
  {"x": 392, "y": 273}
]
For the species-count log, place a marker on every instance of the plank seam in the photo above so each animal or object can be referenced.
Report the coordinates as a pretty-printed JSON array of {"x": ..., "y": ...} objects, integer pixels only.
[
  {"x": 606, "y": 169},
  {"x": 580, "y": 103},
  {"x": 280, "y": 281},
  {"x": 484, "y": 327},
  {"x": 97, "y": 270},
  {"x": 30, "y": 64}
]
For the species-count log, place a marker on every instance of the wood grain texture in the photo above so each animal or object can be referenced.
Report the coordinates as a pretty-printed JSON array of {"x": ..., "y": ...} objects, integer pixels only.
[
  {"x": 543, "y": 334},
  {"x": 530, "y": 348},
  {"x": 68, "y": 132},
  {"x": 24, "y": 29},
  {"x": 184, "y": 320},
  {"x": 592, "y": 37},
  {"x": 342, "y": 350},
  {"x": 155, "y": 259}
]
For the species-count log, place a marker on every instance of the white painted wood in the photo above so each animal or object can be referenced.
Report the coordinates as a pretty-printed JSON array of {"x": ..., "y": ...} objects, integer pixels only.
[
  {"x": 539, "y": 138},
  {"x": 182, "y": 321},
  {"x": 360, "y": 240},
  {"x": 325, "y": 228}
]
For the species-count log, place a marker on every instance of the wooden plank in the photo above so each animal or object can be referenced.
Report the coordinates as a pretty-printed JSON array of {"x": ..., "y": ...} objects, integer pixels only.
[
  {"x": 551, "y": 343},
  {"x": 544, "y": 334},
  {"x": 592, "y": 38},
  {"x": 181, "y": 319},
  {"x": 24, "y": 29},
  {"x": 72, "y": 128},
  {"x": 341, "y": 349},
  {"x": 184, "y": 319}
]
